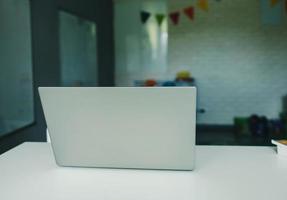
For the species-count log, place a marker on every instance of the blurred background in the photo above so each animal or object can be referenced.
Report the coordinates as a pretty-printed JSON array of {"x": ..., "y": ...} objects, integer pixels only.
[{"x": 234, "y": 52}]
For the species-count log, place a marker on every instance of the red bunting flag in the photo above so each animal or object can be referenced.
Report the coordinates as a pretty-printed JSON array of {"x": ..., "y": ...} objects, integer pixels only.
[
  {"x": 189, "y": 12},
  {"x": 174, "y": 16}
]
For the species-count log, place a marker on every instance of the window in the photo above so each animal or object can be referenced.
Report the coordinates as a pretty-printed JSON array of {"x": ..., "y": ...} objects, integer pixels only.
[{"x": 78, "y": 49}]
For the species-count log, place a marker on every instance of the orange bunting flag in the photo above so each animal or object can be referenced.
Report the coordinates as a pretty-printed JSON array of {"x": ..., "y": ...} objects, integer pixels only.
[
  {"x": 203, "y": 4},
  {"x": 190, "y": 12},
  {"x": 274, "y": 2}
]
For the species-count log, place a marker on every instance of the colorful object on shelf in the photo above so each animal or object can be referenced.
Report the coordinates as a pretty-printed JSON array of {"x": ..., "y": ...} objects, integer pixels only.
[
  {"x": 184, "y": 78},
  {"x": 261, "y": 127},
  {"x": 183, "y": 75},
  {"x": 174, "y": 17},
  {"x": 144, "y": 16},
  {"x": 253, "y": 125},
  {"x": 258, "y": 126},
  {"x": 169, "y": 84},
  {"x": 150, "y": 83},
  {"x": 189, "y": 12},
  {"x": 276, "y": 129},
  {"x": 241, "y": 126}
]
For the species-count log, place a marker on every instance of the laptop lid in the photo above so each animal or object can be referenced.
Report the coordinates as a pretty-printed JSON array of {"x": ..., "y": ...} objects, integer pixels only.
[{"x": 122, "y": 127}]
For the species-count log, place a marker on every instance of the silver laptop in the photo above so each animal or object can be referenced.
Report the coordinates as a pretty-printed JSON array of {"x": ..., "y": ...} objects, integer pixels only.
[{"x": 122, "y": 127}]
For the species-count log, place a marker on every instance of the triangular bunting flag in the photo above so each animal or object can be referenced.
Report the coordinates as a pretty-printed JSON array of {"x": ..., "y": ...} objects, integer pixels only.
[
  {"x": 144, "y": 16},
  {"x": 203, "y": 4},
  {"x": 175, "y": 17},
  {"x": 189, "y": 12},
  {"x": 274, "y": 2},
  {"x": 159, "y": 18}
]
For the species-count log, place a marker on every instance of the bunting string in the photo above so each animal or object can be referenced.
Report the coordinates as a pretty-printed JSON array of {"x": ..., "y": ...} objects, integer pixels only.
[
  {"x": 189, "y": 12},
  {"x": 173, "y": 16}
]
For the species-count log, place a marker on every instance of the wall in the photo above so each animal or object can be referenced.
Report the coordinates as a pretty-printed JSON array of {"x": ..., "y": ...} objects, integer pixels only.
[
  {"x": 141, "y": 49},
  {"x": 236, "y": 51},
  {"x": 238, "y": 61},
  {"x": 45, "y": 54}
]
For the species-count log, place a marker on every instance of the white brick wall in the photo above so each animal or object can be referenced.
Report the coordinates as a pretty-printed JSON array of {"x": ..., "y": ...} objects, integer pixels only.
[{"x": 240, "y": 65}]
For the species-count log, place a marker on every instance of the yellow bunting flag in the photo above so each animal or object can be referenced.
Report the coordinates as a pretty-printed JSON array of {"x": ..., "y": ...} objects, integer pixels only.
[
  {"x": 203, "y": 4},
  {"x": 274, "y": 2}
]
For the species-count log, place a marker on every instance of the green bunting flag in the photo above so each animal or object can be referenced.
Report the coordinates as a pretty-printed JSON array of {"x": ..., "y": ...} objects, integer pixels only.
[{"x": 160, "y": 18}]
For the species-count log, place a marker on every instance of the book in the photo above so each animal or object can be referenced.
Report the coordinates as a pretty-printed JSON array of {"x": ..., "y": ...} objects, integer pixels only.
[{"x": 281, "y": 147}]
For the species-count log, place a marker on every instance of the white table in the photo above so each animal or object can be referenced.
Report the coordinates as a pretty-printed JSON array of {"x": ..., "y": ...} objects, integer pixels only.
[{"x": 222, "y": 173}]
